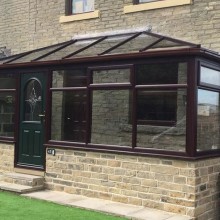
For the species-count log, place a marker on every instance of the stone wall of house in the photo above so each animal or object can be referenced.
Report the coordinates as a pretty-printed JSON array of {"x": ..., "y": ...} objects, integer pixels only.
[
  {"x": 6, "y": 157},
  {"x": 32, "y": 24},
  {"x": 189, "y": 188}
]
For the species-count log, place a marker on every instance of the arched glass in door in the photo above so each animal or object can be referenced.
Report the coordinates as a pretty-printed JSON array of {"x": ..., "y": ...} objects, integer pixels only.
[{"x": 33, "y": 100}]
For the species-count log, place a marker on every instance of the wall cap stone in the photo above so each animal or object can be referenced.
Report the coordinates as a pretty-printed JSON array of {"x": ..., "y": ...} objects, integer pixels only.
[{"x": 78, "y": 17}]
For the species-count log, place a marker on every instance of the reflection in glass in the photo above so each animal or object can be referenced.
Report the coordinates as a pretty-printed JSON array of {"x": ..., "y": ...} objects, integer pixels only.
[
  {"x": 111, "y": 76},
  {"x": 7, "y": 81},
  {"x": 158, "y": 130},
  {"x": 7, "y": 111},
  {"x": 69, "y": 78},
  {"x": 68, "y": 121},
  {"x": 33, "y": 101},
  {"x": 161, "y": 73},
  {"x": 208, "y": 120},
  {"x": 156, "y": 107},
  {"x": 110, "y": 118},
  {"x": 210, "y": 76}
]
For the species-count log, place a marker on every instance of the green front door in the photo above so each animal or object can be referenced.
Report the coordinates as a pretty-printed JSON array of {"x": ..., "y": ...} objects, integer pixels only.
[{"x": 32, "y": 120}]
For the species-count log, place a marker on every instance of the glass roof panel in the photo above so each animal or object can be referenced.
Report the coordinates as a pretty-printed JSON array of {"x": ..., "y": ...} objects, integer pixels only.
[
  {"x": 106, "y": 44},
  {"x": 58, "y": 55},
  {"x": 5, "y": 59},
  {"x": 135, "y": 44},
  {"x": 35, "y": 54},
  {"x": 166, "y": 43}
]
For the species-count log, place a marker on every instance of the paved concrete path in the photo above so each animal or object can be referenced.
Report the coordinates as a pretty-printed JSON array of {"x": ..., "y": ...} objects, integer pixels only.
[{"x": 114, "y": 208}]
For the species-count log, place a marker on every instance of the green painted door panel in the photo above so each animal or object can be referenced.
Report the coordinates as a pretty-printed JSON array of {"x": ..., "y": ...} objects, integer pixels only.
[{"x": 31, "y": 127}]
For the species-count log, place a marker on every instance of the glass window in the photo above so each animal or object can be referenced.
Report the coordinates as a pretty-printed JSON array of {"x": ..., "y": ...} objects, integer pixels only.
[
  {"x": 110, "y": 118},
  {"x": 7, "y": 81},
  {"x": 210, "y": 76},
  {"x": 81, "y": 6},
  {"x": 7, "y": 112},
  {"x": 161, "y": 73},
  {"x": 111, "y": 76},
  {"x": 156, "y": 107},
  {"x": 161, "y": 119},
  {"x": 208, "y": 120},
  {"x": 7, "y": 104},
  {"x": 68, "y": 121},
  {"x": 69, "y": 78}
]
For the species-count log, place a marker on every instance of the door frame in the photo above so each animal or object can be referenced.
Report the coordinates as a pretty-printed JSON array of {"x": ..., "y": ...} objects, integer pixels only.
[{"x": 18, "y": 120}]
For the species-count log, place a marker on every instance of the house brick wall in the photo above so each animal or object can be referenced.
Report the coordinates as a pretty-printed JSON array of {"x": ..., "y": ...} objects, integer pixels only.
[
  {"x": 26, "y": 25},
  {"x": 6, "y": 157},
  {"x": 187, "y": 188}
]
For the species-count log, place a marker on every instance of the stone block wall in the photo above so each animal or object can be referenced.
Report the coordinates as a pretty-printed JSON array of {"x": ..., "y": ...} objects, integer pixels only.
[
  {"x": 35, "y": 23},
  {"x": 6, "y": 157},
  {"x": 187, "y": 188}
]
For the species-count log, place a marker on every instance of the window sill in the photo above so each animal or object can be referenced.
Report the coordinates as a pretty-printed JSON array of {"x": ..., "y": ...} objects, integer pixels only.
[
  {"x": 79, "y": 17},
  {"x": 155, "y": 5}
]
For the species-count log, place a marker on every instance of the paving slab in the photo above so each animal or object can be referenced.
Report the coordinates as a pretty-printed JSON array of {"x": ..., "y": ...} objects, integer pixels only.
[
  {"x": 119, "y": 209},
  {"x": 15, "y": 187}
]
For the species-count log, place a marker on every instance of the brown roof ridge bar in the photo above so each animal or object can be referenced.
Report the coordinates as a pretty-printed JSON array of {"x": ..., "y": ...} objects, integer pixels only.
[
  {"x": 121, "y": 43},
  {"x": 55, "y": 50},
  {"x": 84, "y": 48}
]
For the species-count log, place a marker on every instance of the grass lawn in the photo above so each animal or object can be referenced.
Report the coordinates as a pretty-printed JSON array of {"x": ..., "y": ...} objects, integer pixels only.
[{"x": 15, "y": 207}]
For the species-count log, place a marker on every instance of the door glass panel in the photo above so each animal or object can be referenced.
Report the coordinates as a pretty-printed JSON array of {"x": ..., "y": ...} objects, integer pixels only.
[{"x": 33, "y": 100}]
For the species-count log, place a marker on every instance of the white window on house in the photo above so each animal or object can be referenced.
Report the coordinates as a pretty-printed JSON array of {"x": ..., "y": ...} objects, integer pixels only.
[
  {"x": 76, "y": 10},
  {"x": 79, "y": 6}
]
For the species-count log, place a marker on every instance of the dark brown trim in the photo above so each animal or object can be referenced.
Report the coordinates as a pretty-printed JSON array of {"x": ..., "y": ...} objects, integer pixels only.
[
  {"x": 7, "y": 90},
  {"x": 68, "y": 89},
  {"x": 110, "y": 86},
  {"x": 133, "y": 108},
  {"x": 161, "y": 86},
  {"x": 191, "y": 117}
]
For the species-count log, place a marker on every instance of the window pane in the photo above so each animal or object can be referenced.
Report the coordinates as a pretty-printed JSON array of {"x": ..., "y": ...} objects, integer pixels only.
[
  {"x": 208, "y": 121},
  {"x": 69, "y": 78},
  {"x": 68, "y": 116},
  {"x": 210, "y": 76},
  {"x": 7, "y": 81},
  {"x": 80, "y": 6},
  {"x": 156, "y": 107},
  {"x": 161, "y": 73},
  {"x": 110, "y": 117},
  {"x": 165, "y": 120},
  {"x": 111, "y": 76},
  {"x": 7, "y": 111}
]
